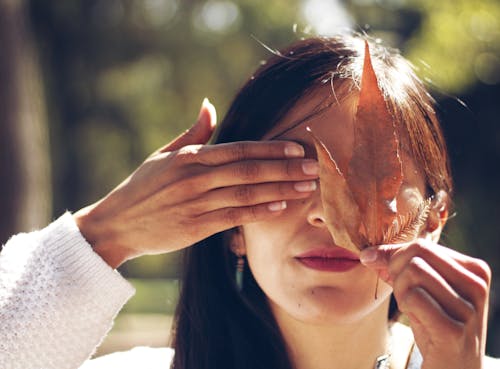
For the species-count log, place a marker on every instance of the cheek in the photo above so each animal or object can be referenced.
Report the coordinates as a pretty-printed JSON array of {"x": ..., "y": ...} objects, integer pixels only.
[
  {"x": 274, "y": 273},
  {"x": 265, "y": 263},
  {"x": 266, "y": 252},
  {"x": 268, "y": 244}
]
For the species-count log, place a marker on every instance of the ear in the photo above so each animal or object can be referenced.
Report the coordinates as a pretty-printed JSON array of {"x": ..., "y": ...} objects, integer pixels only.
[
  {"x": 438, "y": 215},
  {"x": 237, "y": 242}
]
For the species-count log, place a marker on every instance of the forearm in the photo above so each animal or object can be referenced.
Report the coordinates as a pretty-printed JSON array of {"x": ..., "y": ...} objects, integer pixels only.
[{"x": 57, "y": 298}]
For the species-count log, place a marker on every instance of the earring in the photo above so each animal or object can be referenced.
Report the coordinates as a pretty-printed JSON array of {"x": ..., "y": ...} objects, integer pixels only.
[{"x": 240, "y": 265}]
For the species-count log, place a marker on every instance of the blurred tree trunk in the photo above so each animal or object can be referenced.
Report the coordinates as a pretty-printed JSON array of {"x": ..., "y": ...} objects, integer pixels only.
[{"x": 25, "y": 190}]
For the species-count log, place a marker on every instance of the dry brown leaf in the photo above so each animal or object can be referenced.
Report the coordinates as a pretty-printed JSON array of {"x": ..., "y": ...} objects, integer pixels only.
[
  {"x": 341, "y": 211},
  {"x": 375, "y": 170},
  {"x": 360, "y": 209}
]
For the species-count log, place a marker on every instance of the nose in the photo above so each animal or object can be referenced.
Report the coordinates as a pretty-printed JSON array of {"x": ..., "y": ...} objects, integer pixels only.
[{"x": 315, "y": 211}]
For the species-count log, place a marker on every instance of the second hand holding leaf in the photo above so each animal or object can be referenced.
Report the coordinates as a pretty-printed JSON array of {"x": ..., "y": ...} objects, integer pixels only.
[{"x": 445, "y": 295}]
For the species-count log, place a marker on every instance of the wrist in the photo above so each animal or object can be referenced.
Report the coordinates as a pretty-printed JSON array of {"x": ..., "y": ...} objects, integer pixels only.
[{"x": 100, "y": 237}]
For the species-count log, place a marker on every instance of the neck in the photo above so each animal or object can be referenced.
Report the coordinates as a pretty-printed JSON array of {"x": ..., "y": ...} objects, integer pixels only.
[{"x": 333, "y": 346}]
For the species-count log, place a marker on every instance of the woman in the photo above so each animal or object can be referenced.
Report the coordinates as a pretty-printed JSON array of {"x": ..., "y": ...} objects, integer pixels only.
[{"x": 254, "y": 294}]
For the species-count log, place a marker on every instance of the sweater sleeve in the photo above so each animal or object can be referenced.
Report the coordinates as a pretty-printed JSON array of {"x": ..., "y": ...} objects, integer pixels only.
[{"x": 58, "y": 298}]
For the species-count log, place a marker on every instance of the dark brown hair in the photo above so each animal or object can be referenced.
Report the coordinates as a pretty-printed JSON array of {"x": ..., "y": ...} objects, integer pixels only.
[{"x": 216, "y": 326}]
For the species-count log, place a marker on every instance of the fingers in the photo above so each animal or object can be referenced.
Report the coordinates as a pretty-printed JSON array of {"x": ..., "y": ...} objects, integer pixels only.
[
  {"x": 260, "y": 171},
  {"x": 469, "y": 277},
  {"x": 188, "y": 180},
  {"x": 444, "y": 293},
  {"x": 477, "y": 266},
  {"x": 232, "y": 217},
  {"x": 465, "y": 281},
  {"x": 378, "y": 257},
  {"x": 220, "y": 154},
  {"x": 199, "y": 133},
  {"x": 417, "y": 273},
  {"x": 429, "y": 315},
  {"x": 248, "y": 195},
  {"x": 238, "y": 205}
]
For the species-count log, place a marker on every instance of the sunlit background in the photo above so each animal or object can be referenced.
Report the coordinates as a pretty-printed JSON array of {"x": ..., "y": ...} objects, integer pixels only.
[{"x": 89, "y": 88}]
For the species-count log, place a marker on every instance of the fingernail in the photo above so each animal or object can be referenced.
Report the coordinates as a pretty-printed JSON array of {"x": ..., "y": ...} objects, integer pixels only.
[
  {"x": 207, "y": 105},
  {"x": 204, "y": 104},
  {"x": 277, "y": 206},
  {"x": 307, "y": 186},
  {"x": 368, "y": 255},
  {"x": 310, "y": 167},
  {"x": 294, "y": 150}
]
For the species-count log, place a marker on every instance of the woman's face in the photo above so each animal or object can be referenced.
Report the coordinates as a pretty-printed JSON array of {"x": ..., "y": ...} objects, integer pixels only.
[{"x": 273, "y": 248}]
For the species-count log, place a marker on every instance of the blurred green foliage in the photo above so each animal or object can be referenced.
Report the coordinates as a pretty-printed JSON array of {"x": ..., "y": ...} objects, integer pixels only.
[
  {"x": 123, "y": 77},
  {"x": 460, "y": 39},
  {"x": 153, "y": 296}
]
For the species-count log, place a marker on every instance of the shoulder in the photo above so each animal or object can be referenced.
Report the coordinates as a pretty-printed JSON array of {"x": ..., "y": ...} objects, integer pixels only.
[{"x": 138, "y": 357}]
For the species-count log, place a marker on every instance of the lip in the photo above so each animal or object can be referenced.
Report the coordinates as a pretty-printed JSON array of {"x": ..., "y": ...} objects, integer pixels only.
[{"x": 329, "y": 259}]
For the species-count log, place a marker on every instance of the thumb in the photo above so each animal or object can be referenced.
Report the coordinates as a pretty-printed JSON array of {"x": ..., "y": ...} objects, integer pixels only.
[
  {"x": 378, "y": 257},
  {"x": 200, "y": 132}
]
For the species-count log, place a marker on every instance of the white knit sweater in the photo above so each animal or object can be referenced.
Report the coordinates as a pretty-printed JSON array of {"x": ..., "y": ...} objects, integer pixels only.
[{"x": 58, "y": 299}]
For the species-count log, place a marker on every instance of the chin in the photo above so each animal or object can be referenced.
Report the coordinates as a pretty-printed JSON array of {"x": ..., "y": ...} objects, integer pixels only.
[{"x": 327, "y": 305}]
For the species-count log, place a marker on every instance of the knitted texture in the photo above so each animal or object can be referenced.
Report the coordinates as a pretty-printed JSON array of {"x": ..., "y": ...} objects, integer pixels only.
[{"x": 58, "y": 298}]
